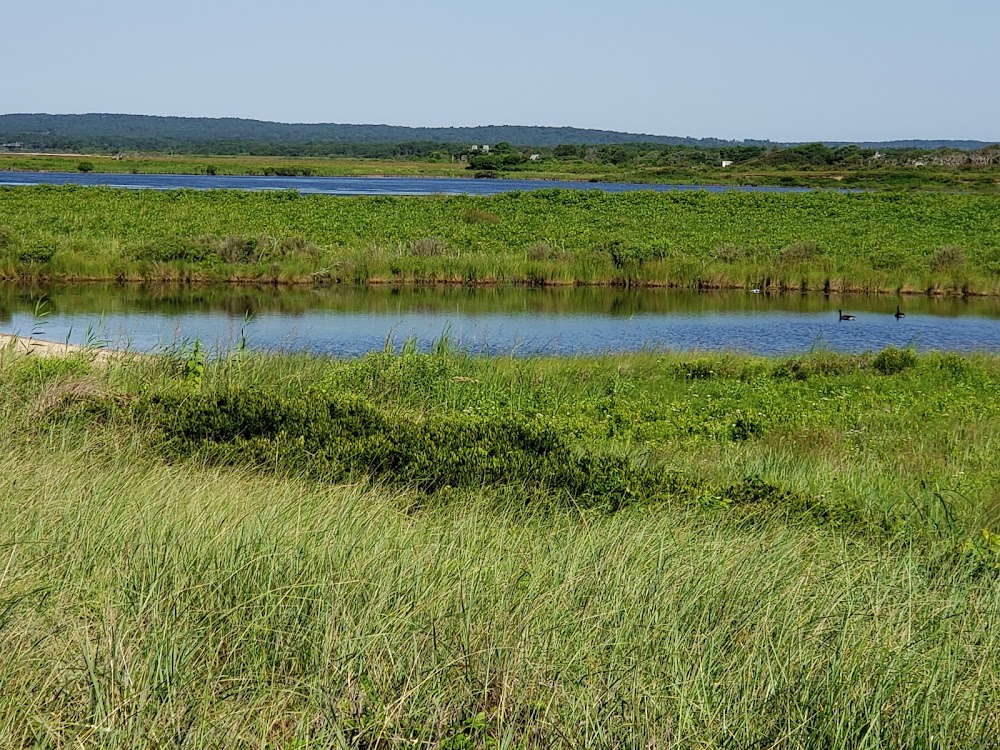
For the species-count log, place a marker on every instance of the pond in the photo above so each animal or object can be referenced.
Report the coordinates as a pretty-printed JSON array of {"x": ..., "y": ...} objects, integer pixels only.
[{"x": 349, "y": 321}]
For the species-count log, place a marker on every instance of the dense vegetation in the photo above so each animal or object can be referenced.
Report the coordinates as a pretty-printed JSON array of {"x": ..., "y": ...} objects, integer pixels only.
[
  {"x": 811, "y": 156},
  {"x": 823, "y": 241},
  {"x": 650, "y": 550},
  {"x": 809, "y": 165}
]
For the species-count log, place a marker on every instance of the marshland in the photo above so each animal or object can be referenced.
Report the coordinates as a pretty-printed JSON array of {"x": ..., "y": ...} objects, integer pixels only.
[
  {"x": 889, "y": 242},
  {"x": 547, "y": 379},
  {"x": 424, "y": 546}
]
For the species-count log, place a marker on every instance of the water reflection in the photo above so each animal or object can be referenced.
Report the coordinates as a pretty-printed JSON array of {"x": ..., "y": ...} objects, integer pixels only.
[{"x": 353, "y": 320}]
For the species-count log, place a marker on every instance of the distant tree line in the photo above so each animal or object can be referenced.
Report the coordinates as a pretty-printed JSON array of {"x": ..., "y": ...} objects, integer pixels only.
[
  {"x": 820, "y": 155},
  {"x": 511, "y": 148},
  {"x": 504, "y": 157}
]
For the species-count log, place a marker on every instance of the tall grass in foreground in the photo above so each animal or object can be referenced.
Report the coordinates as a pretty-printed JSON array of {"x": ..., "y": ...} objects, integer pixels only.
[
  {"x": 150, "y": 598},
  {"x": 151, "y": 605}
]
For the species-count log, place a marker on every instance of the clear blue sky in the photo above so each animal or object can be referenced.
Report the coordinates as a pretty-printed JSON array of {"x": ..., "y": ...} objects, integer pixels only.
[{"x": 787, "y": 70}]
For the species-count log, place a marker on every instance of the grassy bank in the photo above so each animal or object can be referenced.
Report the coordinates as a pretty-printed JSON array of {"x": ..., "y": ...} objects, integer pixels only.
[
  {"x": 232, "y": 165},
  {"x": 647, "y": 550},
  {"x": 822, "y": 241}
]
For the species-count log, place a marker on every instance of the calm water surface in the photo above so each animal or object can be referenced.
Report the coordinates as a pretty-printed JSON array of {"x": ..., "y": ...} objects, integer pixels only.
[
  {"x": 343, "y": 185},
  {"x": 349, "y": 321}
]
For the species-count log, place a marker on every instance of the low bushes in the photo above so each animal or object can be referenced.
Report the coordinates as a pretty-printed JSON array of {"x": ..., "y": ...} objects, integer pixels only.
[
  {"x": 891, "y": 360},
  {"x": 340, "y": 437},
  {"x": 232, "y": 249},
  {"x": 746, "y": 434}
]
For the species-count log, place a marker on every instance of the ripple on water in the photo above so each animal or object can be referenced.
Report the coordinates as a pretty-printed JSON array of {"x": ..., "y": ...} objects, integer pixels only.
[{"x": 565, "y": 321}]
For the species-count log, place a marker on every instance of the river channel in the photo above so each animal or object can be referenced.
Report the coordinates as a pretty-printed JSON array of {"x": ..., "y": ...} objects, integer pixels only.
[
  {"x": 346, "y": 185},
  {"x": 350, "y": 321}
]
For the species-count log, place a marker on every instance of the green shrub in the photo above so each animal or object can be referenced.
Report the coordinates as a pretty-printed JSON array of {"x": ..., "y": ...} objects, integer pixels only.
[
  {"x": 891, "y": 360},
  {"x": 757, "y": 494},
  {"x": 342, "y": 438},
  {"x": 337, "y": 437},
  {"x": 237, "y": 249},
  {"x": 623, "y": 256},
  {"x": 800, "y": 252},
  {"x": 36, "y": 252},
  {"x": 745, "y": 428},
  {"x": 948, "y": 258}
]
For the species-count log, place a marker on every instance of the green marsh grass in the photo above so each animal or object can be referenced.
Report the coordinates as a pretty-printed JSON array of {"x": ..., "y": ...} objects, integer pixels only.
[
  {"x": 867, "y": 242},
  {"x": 152, "y": 599}
]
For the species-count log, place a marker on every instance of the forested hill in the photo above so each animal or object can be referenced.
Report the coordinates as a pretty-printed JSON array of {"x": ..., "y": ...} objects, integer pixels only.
[
  {"x": 133, "y": 129},
  {"x": 111, "y": 131}
]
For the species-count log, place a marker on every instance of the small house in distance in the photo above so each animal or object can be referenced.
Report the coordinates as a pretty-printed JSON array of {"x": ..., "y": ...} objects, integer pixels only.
[{"x": 726, "y": 163}]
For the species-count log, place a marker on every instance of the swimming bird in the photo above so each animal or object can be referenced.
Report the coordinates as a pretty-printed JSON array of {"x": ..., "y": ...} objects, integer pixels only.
[
  {"x": 899, "y": 314},
  {"x": 844, "y": 317}
]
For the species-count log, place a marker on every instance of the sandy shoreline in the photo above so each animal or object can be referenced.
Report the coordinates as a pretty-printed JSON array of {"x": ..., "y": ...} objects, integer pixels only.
[{"x": 39, "y": 347}]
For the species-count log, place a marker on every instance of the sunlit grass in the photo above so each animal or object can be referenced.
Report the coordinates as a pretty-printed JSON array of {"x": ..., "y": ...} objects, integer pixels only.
[
  {"x": 921, "y": 243},
  {"x": 153, "y": 604},
  {"x": 150, "y": 599}
]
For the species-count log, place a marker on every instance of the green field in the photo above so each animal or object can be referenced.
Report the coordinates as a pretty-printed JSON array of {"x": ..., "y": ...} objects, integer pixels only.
[
  {"x": 868, "y": 242},
  {"x": 448, "y": 551}
]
